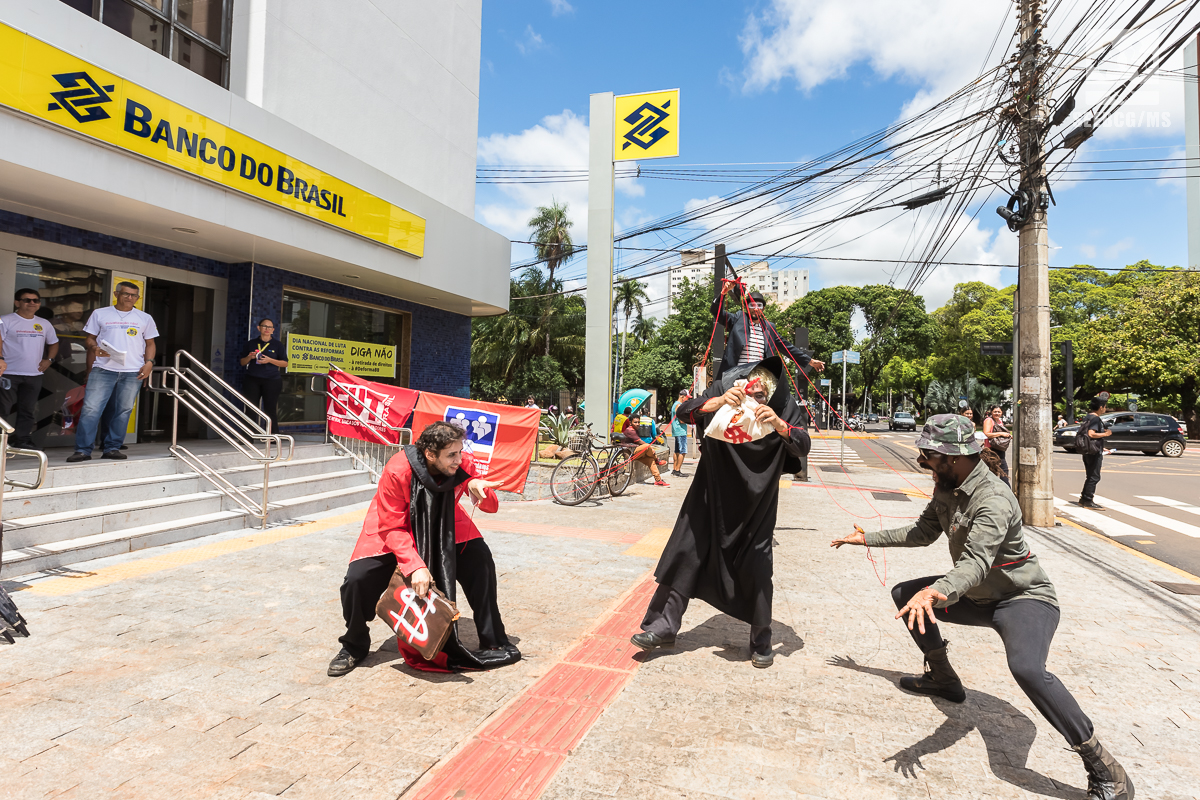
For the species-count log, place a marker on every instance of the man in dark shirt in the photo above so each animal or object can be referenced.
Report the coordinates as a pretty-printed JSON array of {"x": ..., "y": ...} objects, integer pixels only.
[
  {"x": 752, "y": 337},
  {"x": 263, "y": 357},
  {"x": 1093, "y": 426}
]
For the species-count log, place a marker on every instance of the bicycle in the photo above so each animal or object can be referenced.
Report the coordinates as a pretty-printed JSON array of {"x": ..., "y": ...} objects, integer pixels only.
[{"x": 576, "y": 477}]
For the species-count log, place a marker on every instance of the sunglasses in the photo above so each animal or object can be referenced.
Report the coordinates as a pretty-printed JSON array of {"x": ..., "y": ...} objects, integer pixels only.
[{"x": 31, "y": 299}]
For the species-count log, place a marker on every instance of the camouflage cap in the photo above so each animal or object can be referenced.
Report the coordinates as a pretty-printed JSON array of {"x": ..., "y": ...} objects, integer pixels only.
[{"x": 950, "y": 434}]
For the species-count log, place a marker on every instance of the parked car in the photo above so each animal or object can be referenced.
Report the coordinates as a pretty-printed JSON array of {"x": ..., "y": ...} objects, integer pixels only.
[
  {"x": 902, "y": 420},
  {"x": 872, "y": 418},
  {"x": 1150, "y": 433}
]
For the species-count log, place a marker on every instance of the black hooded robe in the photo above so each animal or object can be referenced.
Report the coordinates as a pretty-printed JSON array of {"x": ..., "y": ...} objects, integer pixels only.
[
  {"x": 431, "y": 512},
  {"x": 720, "y": 548}
]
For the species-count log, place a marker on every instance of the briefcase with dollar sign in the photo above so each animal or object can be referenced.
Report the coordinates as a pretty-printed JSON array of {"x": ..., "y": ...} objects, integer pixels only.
[{"x": 423, "y": 623}]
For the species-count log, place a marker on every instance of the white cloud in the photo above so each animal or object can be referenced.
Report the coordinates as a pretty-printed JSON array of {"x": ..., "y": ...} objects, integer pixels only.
[
  {"x": 560, "y": 7},
  {"x": 530, "y": 41},
  {"x": 558, "y": 142}
]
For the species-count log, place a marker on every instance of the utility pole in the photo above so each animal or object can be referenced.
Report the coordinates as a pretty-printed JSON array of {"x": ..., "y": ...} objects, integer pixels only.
[
  {"x": 718, "y": 342},
  {"x": 1035, "y": 492}
]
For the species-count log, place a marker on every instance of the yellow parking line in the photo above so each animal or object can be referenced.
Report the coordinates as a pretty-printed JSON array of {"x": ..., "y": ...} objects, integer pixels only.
[
  {"x": 651, "y": 545},
  {"x": 1129, "y": 549},
  {"x": 57, "y": 587}
]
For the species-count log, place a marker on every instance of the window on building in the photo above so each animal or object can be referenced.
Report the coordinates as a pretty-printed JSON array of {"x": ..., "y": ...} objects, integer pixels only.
[
  {"x": 329, "y": 318},
  {"x": 192, "y": 33}
]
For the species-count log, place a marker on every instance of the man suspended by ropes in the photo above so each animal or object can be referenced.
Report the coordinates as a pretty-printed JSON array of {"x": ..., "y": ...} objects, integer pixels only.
[
  {"x": 996, "y": 582},
  {"x": 720, "y": 549},
  {"x": 751, "y": 336}
]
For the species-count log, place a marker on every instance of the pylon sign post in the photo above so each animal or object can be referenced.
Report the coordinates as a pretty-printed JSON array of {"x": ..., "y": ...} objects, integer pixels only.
[{"x": 622, "y": 128}]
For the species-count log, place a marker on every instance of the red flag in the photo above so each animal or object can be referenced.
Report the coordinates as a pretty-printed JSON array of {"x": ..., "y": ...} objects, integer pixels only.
[
  {"x": 368, "y": 400},
  {"x": 501, "y": 438}
]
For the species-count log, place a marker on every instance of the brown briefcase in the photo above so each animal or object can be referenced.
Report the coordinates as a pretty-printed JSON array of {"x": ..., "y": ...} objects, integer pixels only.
[{"x": 423, "y": 623}]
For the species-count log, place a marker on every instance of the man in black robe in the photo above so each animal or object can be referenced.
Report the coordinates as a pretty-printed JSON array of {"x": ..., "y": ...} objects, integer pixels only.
[{"x": 720, "y": 549}]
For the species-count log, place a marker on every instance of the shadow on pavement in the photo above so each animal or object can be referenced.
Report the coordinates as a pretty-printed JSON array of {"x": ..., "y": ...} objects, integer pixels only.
[
  {"x": 718, "y": 630},
  {"x": 1007, "y": 733}
]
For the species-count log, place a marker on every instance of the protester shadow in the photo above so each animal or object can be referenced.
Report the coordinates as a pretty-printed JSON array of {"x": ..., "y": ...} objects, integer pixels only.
[
  {"x": 731, "y": 637},
  {"x": 389, "y": 654},
  {"x": 1007, "y": 734}
]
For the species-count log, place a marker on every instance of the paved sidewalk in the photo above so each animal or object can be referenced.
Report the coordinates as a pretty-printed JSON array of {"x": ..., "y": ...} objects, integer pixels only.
[{"x": 198, "y": 671}]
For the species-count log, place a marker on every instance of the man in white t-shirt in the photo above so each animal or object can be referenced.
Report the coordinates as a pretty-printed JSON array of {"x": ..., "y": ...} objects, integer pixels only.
[
  {"x": 26, "y": 336},
  {"x": 122, "y": 339}
]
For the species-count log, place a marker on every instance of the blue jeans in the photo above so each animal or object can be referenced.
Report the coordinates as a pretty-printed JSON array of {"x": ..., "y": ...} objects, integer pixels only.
[
  {"x": 681, "y": 445},
  {"x": 102, "y": 385}
]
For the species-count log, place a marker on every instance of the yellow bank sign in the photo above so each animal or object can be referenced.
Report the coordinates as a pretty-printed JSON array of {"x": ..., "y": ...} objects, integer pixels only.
[
  {"x": 314, "y": 354},
  {"x": 52, "y": 85},
  {"x": 647, "y": 125}
]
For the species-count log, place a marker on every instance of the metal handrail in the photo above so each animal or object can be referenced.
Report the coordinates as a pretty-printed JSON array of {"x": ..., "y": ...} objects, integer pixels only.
[
  {"x": 223, "y": 409},
  {"x": 377, "y": 417},
  {"x": 43, "y": 462}
]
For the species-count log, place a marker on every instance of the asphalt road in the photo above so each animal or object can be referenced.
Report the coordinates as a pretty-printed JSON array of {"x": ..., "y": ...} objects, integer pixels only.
[{"x": 1152, "y": 502}]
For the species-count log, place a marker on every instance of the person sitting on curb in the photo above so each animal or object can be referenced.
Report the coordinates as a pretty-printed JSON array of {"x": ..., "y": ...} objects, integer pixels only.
[{"x": 996, "y": 582}]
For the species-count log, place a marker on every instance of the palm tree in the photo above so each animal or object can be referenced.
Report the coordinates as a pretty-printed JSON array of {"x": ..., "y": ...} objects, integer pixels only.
[
  {"x": 644, "y": 329},
  {"x": 551, "y": 235},
  {"x": 627, "y": 299}
]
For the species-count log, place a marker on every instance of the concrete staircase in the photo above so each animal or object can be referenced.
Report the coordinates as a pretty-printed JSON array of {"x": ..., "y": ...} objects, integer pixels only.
[{"x": 103, "y": 508}]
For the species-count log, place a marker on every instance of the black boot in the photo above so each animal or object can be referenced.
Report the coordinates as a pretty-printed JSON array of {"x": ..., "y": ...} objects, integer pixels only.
[
  {"x": 1106, "y": 778},
  {"x": 939, "y": 679}
]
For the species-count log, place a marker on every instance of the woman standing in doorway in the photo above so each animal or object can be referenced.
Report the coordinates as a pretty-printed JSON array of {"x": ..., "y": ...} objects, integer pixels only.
[
  {"x": 998, "y": 438},
  {"x": 263, "y": 357}
]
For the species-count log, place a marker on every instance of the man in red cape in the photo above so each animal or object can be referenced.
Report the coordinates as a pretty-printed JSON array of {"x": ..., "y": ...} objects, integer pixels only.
[{"x": 415, "y": 523}]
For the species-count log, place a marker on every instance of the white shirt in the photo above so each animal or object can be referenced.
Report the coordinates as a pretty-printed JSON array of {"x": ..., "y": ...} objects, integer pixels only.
[
  {"x": 124, "y": 331},
  {"x": 25, "y": 342},
  {"x": 755, "y": 344}
]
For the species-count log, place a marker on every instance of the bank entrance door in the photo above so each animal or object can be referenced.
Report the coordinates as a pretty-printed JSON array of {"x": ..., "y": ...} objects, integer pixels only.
[{"x": 184, "y": 316}]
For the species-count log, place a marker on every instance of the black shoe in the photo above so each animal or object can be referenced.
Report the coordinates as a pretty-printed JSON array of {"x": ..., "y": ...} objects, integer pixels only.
[
  {"x": 649, "y": 641},
  {"x": 115, "y": 455},
  {"x": 1091, "y": 506},
  {"x": 342, "y": 663},
  {"x": 123, "y": 447},
  {"x": 76, "y": 457},
  {"x": 499, "y": 656},
  {"x": 762, "y": 660},
  {"x": 939, "y": 680}
]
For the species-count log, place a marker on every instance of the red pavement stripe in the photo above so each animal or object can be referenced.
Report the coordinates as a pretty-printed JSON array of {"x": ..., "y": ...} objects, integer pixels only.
[{"x": 518, "y": 752}]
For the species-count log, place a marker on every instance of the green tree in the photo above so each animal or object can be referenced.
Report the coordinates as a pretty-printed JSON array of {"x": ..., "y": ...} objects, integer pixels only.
[
  {"x": 689, "y": 328},
  {"x": 897, "y": 325},
  {"x": 550, "y": 230},
  {"x": 628, "y": 299},
  {"x": 644, "y": 329},
  {"x": 826, "y": 313},
  {"x": 1152, "y": 343}
]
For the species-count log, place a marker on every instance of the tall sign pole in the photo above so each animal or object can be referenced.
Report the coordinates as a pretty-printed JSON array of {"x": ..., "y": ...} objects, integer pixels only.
[
  {"x": 622, "y": 128},
  {"x": 597, "y": 371},
  {"x": 1035, "y": 492}
]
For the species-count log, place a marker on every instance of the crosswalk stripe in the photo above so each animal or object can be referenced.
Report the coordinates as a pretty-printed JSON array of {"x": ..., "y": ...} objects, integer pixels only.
[
  {"x": 1110, "y": 526},
  {"x": 1151, "y": 517},
  {"x": 1166, "y": 501}
]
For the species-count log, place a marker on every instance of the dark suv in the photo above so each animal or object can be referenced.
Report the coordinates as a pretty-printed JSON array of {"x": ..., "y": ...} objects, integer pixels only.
[
  {"x": 1150, "y": 433},
  {"x": 902, "y": 420}
]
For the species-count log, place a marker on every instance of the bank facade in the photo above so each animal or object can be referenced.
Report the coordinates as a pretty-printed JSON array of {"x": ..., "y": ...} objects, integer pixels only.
[{"x": 299, "y": 160}]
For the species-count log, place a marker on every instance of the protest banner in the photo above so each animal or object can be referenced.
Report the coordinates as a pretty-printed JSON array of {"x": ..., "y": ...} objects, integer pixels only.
[
  {"x": 500, "y": 437},
  {"x": 373, "y": 402}
]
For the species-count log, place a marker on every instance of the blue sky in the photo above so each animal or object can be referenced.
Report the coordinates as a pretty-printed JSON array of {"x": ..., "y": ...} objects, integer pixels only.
[{"x": 783, "y": 81}]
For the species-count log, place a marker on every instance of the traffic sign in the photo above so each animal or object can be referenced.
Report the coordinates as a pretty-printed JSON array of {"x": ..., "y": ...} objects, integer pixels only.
[
  {"x": 995, "y": 348},
  {"x": 849, "y": 356},
  {"x": 826, "y": 382}
]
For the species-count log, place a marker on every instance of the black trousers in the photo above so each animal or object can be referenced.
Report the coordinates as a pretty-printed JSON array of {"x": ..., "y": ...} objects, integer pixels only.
[
  {"x": 664, "y": 616},
  {"x": 24, "y": 395},
  {"x": 267, "y": 390},
  {"x": 1091, "y": 464},
  {"x": 1003, "y": 466},
  {"x": 1026, "y": 628},
  {"x": 368, "y": 578}
]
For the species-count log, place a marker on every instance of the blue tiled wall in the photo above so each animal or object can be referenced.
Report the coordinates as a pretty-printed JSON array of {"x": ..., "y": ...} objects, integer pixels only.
[{"x": 440, "y": 359}]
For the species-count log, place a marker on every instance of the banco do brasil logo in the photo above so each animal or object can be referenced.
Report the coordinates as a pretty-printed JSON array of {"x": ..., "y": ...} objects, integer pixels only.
[
  {"x": 81, "y": 96},
  {"x": 647, "y": 125}
]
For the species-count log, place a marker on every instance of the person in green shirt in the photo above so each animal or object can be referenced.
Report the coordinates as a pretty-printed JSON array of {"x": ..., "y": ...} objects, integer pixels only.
[{"x": 996, "y": 582}]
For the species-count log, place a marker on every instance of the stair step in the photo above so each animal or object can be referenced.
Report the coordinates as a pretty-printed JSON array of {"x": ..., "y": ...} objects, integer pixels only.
[
  {"x": 84, "y": 548},
  {"x": 39, "y": 502},
  {"x": 322, "y": 501},
  {"x": 45, "y": 528}
]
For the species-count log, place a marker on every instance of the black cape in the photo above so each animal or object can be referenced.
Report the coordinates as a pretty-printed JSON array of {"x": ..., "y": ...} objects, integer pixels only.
[
  {"x": 431, "y": 513},
  {"x": 720, "y": 549}
]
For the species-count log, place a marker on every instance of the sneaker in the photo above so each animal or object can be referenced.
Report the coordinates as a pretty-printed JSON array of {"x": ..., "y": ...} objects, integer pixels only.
[
  {"x": 762, "y": 660},
  {"x": 661, "y": 482},
  {"x": 115, "y": 455},
  {"x": 342, "y": 664},
  {"x": 1091, "y": 506},
  {"x": 77, "y": 456}
]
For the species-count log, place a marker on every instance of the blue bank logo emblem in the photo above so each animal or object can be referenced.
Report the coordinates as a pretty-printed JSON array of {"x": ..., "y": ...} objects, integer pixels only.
[
  {"x": 647, "y": 125},
  {"x": 81, "y": 96}
]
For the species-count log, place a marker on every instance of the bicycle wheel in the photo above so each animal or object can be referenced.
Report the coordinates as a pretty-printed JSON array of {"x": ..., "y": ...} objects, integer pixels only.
[
  {"x": 620, "y": 470},
  {"x": 573, "y": 480}
]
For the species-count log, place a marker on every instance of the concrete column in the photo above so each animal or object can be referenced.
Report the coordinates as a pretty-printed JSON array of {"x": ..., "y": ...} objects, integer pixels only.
[
  {"x": 1191, "y": 124},
  {"x": 597, "y": 371},
  {"x": 8, "y": 280}
]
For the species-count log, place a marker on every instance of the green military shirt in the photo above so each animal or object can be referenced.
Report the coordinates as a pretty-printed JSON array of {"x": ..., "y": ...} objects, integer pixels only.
[{"x": 992, "y": 561}]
